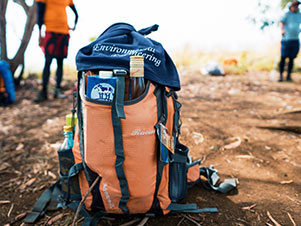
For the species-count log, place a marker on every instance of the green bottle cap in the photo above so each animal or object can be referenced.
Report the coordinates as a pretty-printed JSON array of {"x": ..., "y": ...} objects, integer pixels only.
[{"x": 69, "y": 119}]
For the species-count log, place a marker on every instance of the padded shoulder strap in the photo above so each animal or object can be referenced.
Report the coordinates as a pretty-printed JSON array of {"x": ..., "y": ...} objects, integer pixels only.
[{"x": 211, "y": 174}]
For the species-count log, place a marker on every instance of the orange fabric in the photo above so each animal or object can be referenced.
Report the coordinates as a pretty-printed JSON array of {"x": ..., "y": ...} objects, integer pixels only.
[
  {"x": 193, "y": 173},
  {"x": 140, "y": 153},
  {"x": 139, "y": 143},
  {"x": 2, "y": 86},
  {"x": 55, "y": 17}
]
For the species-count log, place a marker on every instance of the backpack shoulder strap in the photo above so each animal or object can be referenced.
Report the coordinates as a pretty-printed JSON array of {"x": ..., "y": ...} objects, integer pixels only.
[
  {"x": 212, "y": 176},
  {"x": 47, "y": 200}
]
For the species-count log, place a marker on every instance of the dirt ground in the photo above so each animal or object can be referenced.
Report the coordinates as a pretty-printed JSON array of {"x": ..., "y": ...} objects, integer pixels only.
[{"x": 246, "y": 126}]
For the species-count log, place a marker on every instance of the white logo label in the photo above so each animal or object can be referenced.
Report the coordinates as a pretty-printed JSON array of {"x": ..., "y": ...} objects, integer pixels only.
[
  {"x": 105, "y": 190},
  {"x": 149, "y": 53},
  {"x": 139, "y": 132},
  {"x": 102, "y": 91}
]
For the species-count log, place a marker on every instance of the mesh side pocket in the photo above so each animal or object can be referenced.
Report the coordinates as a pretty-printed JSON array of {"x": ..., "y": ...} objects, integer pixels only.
[
  {"x": 178, "y": 174},
  {"x": 70, "y": 186}
]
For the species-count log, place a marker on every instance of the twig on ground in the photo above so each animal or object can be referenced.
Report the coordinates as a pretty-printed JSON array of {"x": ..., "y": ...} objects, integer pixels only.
[
  {"x": 10, "y": 210},
  {"x": 84, "y": 199},
  {"x": 56, "y": 218},
  {"x": 18, "y": 218},
  {"x": 180, "y": 222},
  {"x": 248, "y": 207},
  {"x": 143, "y": 222},
  {"x": 272, "y": 219},
  {"x": 130, "y": 222},
  {"x": 292, "y": 220},
  {"x": 193, "y": 221}
]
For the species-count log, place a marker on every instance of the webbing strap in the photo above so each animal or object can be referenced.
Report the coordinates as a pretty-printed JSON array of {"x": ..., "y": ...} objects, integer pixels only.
[
  {"x": 162, "y": 113},
  {"x": 80, "y": 81},
  {"x": 119, "y": 96},
  {"x": 47, "y": 200},
  {"x": 211, "y": 174},
  {"x": 118, "y": 143},
  {"x": 190, "y": 208},
  {"x": 75, "y": 169}
]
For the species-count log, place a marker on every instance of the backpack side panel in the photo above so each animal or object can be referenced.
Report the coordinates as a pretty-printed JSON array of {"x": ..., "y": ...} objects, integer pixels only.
[{"x": 83, "y": 182}]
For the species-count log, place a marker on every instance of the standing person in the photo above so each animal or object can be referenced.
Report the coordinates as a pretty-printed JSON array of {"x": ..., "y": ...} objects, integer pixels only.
[
  {"x": 290, "y": 28},
  {"x": 52, "y": 13}
]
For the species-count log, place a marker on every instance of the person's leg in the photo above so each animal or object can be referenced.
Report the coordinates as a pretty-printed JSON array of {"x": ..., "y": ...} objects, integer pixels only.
[
  {"x": 290, "y": 69},
  {"x": 46, "y": 72},
  {"x": 281, "y": 68},
  {"x": 59, "y": 77},
  {"x": 43, "y": 94},
  {"x": 59, "y": 72}
]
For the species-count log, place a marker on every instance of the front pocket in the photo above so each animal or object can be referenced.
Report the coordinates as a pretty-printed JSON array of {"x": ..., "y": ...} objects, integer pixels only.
[
  {"x": 178, "y": 174},
  {"x": 70, "y": 186}
]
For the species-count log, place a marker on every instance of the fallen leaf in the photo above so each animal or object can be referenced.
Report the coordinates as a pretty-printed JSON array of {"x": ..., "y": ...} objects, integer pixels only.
[
  {"x": 286, "y": 182},
  {"x": 4, "y": 166},
  {"x": 235, "y": 144}
]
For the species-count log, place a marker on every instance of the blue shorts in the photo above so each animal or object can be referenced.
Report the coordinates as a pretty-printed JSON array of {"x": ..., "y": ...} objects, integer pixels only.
[{"x": 290, "y": 48}]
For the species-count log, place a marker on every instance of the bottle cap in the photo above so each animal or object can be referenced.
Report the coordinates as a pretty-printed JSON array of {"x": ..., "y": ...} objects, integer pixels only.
[
  {"x": 136, "y": 57},
  {"x": 105, "y": 74},
  {"x": 67, "y": 129}
]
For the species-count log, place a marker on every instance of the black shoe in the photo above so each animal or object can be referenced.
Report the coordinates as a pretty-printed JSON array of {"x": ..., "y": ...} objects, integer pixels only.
[
  {"x": 280, "y": 80},
  {"x": 42, "y": 96},
  {"x": 58, "y": 94},
  {"x": 289, "y": 80}
]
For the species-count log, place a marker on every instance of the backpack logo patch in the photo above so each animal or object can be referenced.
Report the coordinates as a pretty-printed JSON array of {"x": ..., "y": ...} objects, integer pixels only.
[
  {"x": 139, "y": 132},
  {"x": 105, "y": 190}
]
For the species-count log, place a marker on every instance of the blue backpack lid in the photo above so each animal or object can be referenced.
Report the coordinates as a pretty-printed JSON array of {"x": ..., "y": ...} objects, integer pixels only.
[{"x": 113, "y": 48}]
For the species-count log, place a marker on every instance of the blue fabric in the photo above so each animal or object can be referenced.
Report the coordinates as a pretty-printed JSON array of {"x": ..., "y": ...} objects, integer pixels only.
[
  {"x": 113, "y": 48},
  {"x": 291, "y": 25},
  {"x": 8, "y": 80},
  {"x": 290, "y": 48}
]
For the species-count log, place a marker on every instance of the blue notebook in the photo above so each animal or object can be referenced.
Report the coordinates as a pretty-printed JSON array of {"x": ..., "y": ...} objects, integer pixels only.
[{"x": 101, "y": 88}]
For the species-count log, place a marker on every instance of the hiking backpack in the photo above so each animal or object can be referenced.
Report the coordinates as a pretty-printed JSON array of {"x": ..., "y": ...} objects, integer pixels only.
[
  {"x": 127, "y": 157},
  {"x": 7, "y": 91}
]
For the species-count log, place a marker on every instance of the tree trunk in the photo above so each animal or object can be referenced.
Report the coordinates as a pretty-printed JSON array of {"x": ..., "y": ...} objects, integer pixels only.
[
  {"x": 3, "y": 7},
  {"x": 18, "y": 59}
]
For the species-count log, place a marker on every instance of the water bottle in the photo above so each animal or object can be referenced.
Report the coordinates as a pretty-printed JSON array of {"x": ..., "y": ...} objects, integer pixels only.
[
  {"x": 68, "y": 138},
  {"x": 136, "y": 84}
]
